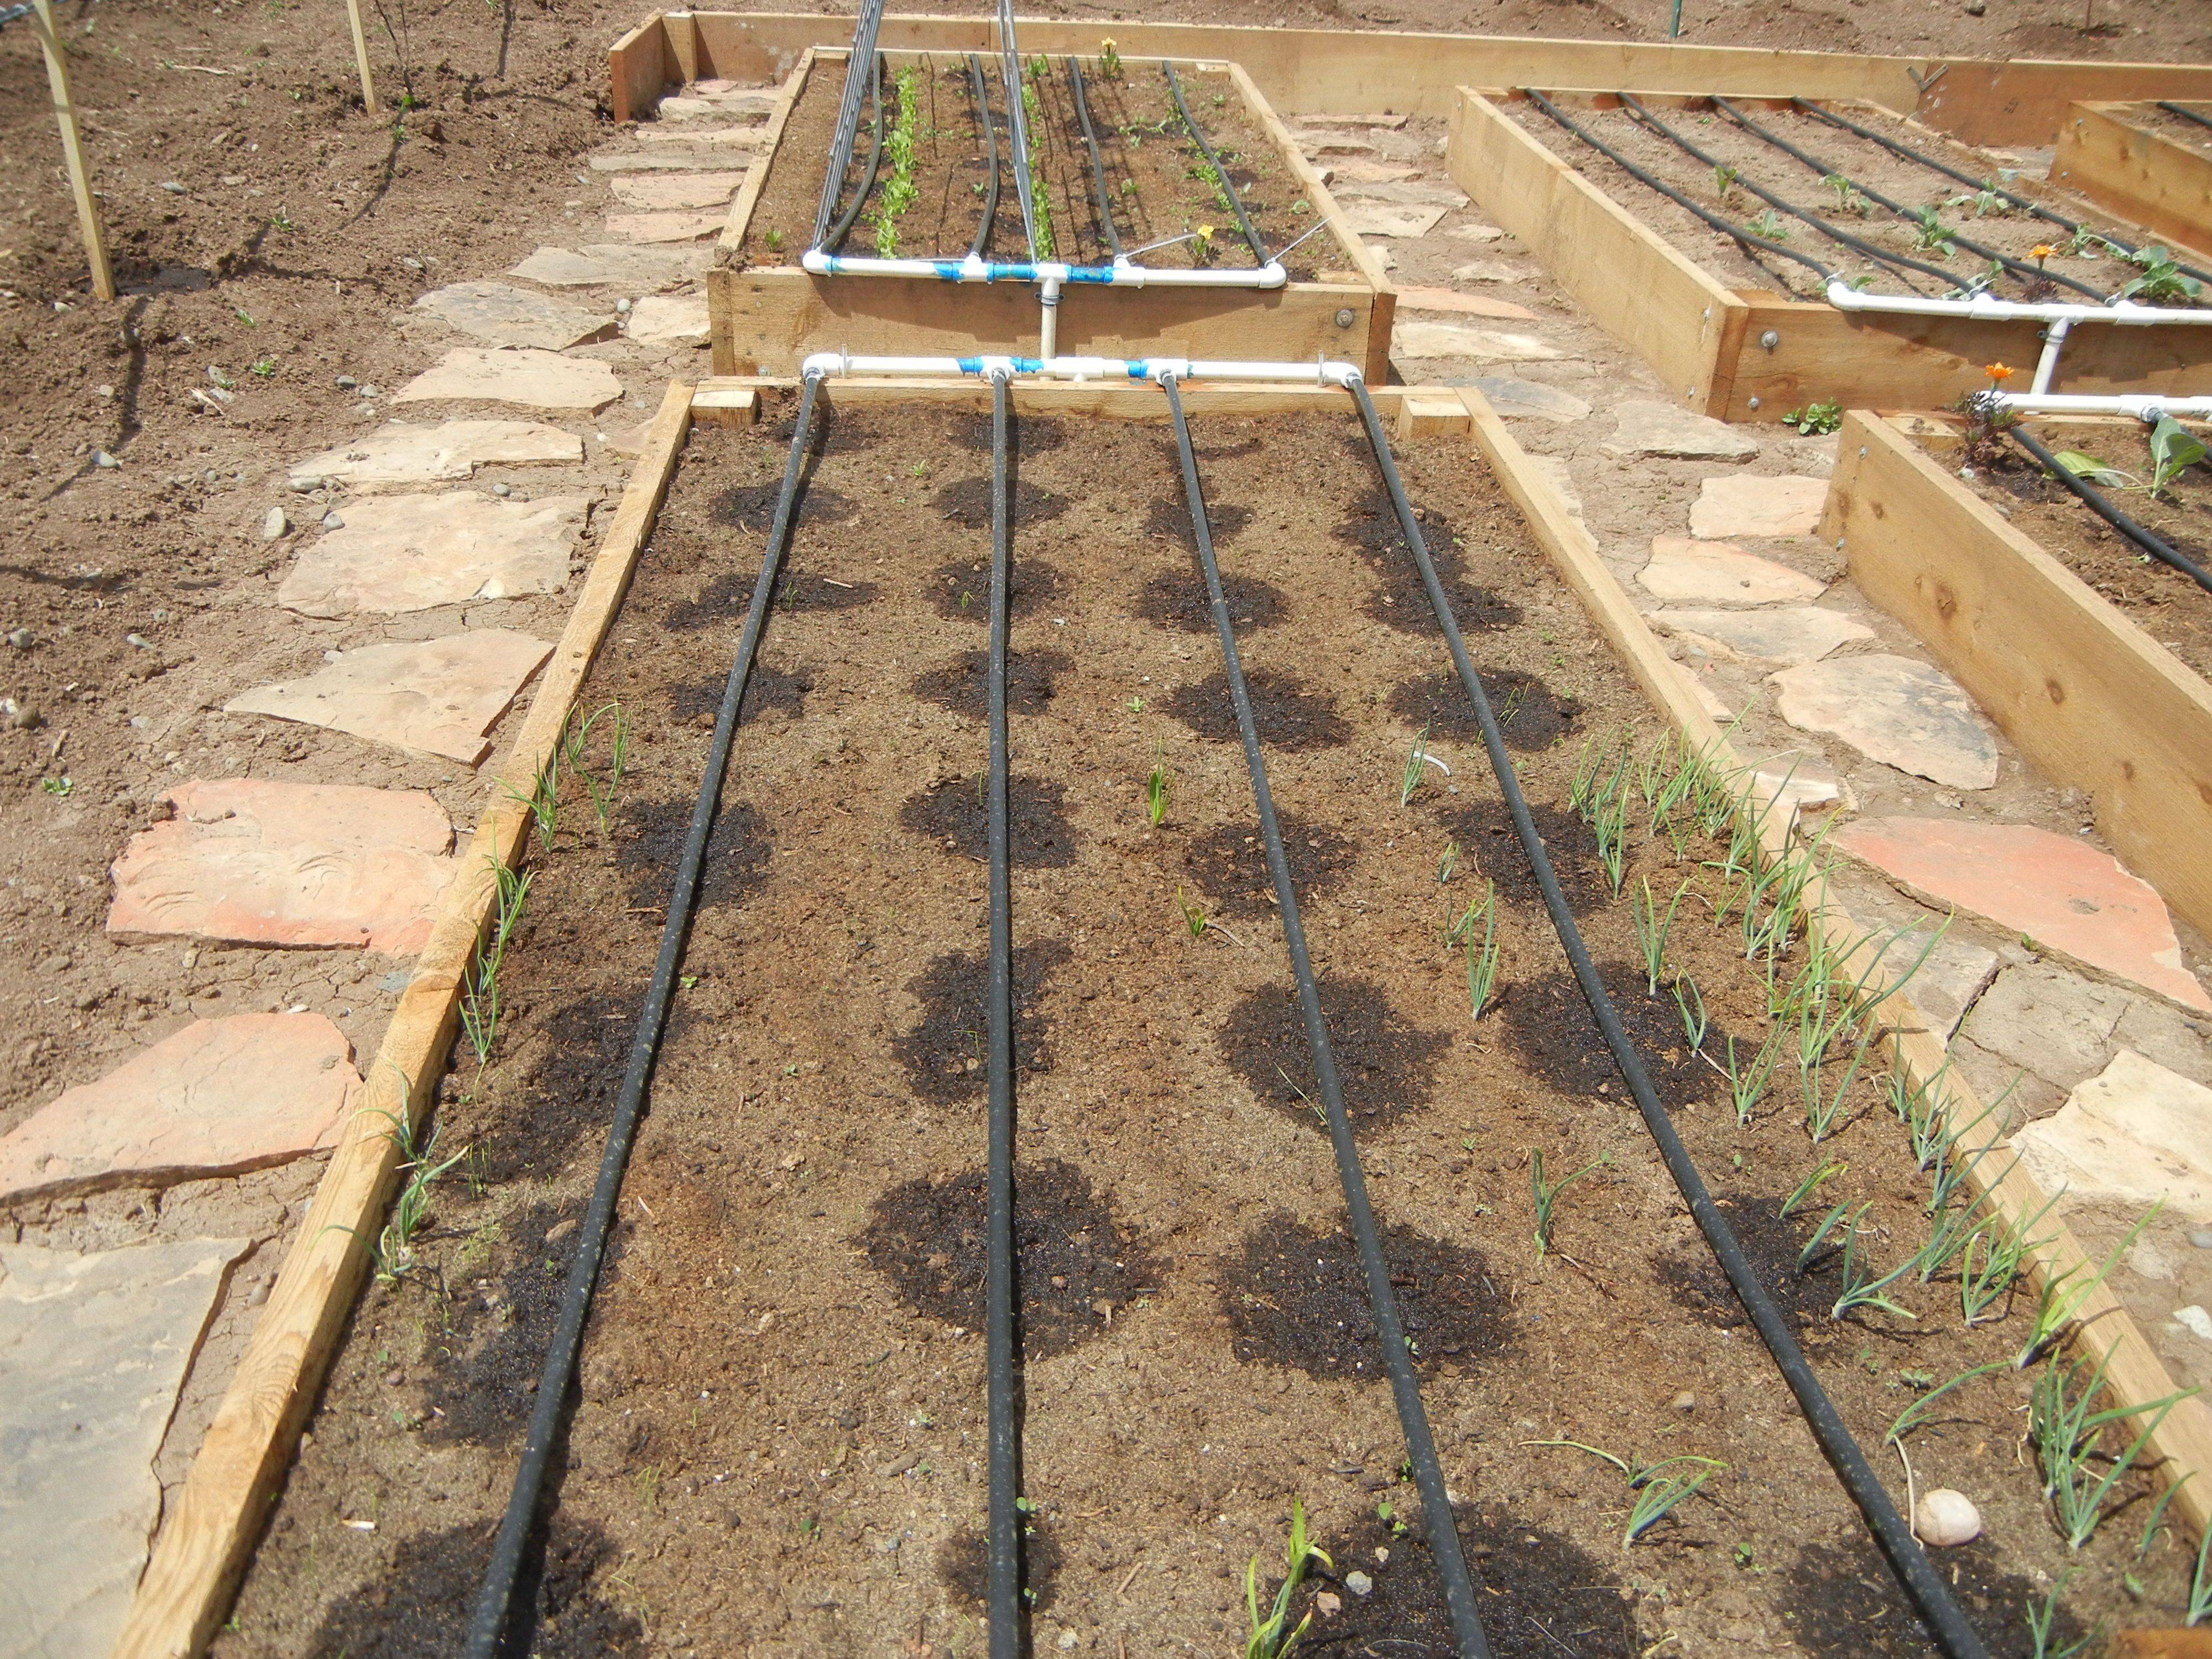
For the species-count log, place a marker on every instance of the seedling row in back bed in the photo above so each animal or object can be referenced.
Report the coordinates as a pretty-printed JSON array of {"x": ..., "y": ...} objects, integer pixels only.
[
  {"x": 1943, "y": 209},
  {"x": 778, "y": 1446},
  {"x": 1158, "y": 181}
]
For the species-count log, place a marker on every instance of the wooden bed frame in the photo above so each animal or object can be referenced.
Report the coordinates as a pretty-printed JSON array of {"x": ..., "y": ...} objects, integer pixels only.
[{"x": 2142, "y": 176}]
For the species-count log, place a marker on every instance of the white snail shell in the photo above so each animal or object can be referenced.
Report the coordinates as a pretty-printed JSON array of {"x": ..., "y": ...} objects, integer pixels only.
[{"x": 1944, "y": 1517}]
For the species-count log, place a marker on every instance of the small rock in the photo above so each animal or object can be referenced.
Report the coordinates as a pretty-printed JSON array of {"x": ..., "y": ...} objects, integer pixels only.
[
  {"x": 1685, "y": 1402},
  {"x": 140, "y": 641},
  {"x": 1944, "y": 1517},
  {"x": 1326, "y": 1603},
  {"x": 332, "y": 521},
  {"x": 394, "y": 1377},
  {"x": 275, "y": 524},
  {"x": 368, "y": 392},
  {"x": 502, "y": 490},
  {"x": 19, "y": 638},
  {"x": 346, "y": 383},
  {"x": 100, "y": 458},
  {"x": 173, "y": 188},
  {"x": 1068, "y": 1639},
  {"x": 1977, "y": 8},
  {"x": 2202, "y": 1238},
  {"x": 622, "y": 307},
  {"x": 1359, "y": 1583},
  {"x": 28, "y": 719}
]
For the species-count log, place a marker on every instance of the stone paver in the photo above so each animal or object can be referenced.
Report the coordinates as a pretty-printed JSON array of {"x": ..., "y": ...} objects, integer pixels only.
[
  {"x": 1424, "y": 339},
  {"x": 2058, "y": 890},
  {"x": 220, "y": 1097},
  {"x": 663, "y": 191},
  {"x": 500, "y": 314},
  {"x": 1387, "y": 219},
  {"x": 713, "y": 138},
  {"x": 94, "y": 1348},
  {"x": 665, "y": 158},
  {"x": 2132, "y": 1135},
  {"x": 1655, "y": 428},
  {"x": 398, "y": 553},
  {"x": 535, "y": 380},
  {"x": 1485, "y": 271},
  {"x": 610, "y": 264},
  {"x": 256, "y": 861},
  {"x": 1784, "y": 634},
  {"x": 2048, "y": 1021},
  {"x": 438, "y": 696},
  {"x": 1352, "y": 169},
  {"x": 1529, "y": 400},
  {"x": 1942, "y": 977},
  {"x": 1738, "y": 505},
  {"x": 1894, "y": 710},
  {"x": 1716, "y": 573},
  {"x": 665, "y": 227},
  {"x": 402, "y": 454},
  {"x": 668, "y": 319},
  {"x": 1404, "y": 192},
  {"x": 1450, "y": 300}
]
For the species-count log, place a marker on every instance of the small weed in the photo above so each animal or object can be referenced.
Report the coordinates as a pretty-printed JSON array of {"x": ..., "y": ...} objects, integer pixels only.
[
  {"x": 1156, "y": 789},
  {"x": 1815, "y": 419},
  {"x": 1658, "y": 1494},
  {"x": 62, "y": 787},
  {"x": 1546, "y": 1195},
  {"x": 1267, "y": 1639},
  {"x": 265, "y": 368}
]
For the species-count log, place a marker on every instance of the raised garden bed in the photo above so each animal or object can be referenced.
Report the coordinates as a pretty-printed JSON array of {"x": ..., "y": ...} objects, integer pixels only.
[
  {"x": 1740, "y": 340},
  {"x": 779, "y": 1439},
  {"x": 2141, "y": 161},
  {"x": 768, "y": 313}
]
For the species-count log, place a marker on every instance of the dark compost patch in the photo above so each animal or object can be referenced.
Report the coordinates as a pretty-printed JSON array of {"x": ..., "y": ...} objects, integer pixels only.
[{"x": 1386, "y": 1067}]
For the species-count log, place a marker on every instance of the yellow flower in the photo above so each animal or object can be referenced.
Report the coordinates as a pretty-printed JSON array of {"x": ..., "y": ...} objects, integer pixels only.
[
  {"x": 2041, "y": 250},
  {"x": 1996, "y": 371}
]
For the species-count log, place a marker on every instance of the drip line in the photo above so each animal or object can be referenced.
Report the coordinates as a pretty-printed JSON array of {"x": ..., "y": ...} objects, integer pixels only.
[
  {"x": 2097, "y": 503},
  {"x": 2020, "y": 268},
  {"x": 1438, "y": 1526},
  {"x": 982, "y": 92},
  {"x": 1945, "y": 1621},
  {"x": 839, "y": 231},
  {"x": 1906, "y": 152},
  {"x": 858, "y": 62},
  {"x": 1097, "y": 164},
  {"x": 493, "y": 1609},
  {"x": 1229, "y": 190},
  {"x": 2185, "y": 113},
  {"x": 1898, "y": 263},
  {"x": 1003, "y": 1598}
]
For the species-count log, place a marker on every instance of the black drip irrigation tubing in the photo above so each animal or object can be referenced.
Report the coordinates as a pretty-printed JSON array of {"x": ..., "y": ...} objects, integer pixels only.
[
  {"x": 839, "y": 231},
  {"x": 2098, "y": 503},
  {"x": 857, "y": 70},
  {"x": 2072, "y": 227},
  {"x": 2185, "y": 113},
  {"x": 495, "y": 1610},
  {"x": 1741, "y": 236},
  {"x": 1440, "y": 1528},
  {"x": 1097, "y": 162},
  {"x": 1939, "y": 1611},
  {"x": 1228, "y": 190},
  {"x": 982, "y": 92},
  {"x": 1898, "y": 263},
  {"x": 1003, "y": 1596},
  {"x": 2020, "y": 268}
]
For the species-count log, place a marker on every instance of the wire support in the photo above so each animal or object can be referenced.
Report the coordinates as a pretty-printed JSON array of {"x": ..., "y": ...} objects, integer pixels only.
[
  {"x": 489, "y": 1624},
  {"x": 1003, "y": 1603},
  {"x": 1897, "y": 263},
  {"x": 1097, "y": 162},
  {"x": 2030, "y": 275},
  {"x": 1741, "y": 236},
  {"x": 982, "y": 92},
  {"x": 1228, "y": 190},
  {"x": 1438, "y": 1527},
  {"x": 1017, "y": 126},
  {"x": 2097, "y": 503},
  {"x": 858, "y": 65},
  {"x": 1937, "y": 1608},
  {"x": 843, "y": 228}
]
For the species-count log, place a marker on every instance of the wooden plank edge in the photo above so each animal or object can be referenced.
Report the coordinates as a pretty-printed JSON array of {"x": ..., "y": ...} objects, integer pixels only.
[
  {"x": 626, "y": 70},
  {"x": 2181, "y": 1445},
  {"x": 1111, "y": 399},
  {"x": 204, "y": 1549},
  {"x": 2077, "y": 166},
  {"x": 748, "y": 196}
]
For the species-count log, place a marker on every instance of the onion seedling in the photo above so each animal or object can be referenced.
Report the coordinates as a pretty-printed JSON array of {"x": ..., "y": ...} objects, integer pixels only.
[
  {"x": 2039, "y": 1620},
  {"x": 1267, "y": 1639},
  {"x": 1652, "y": 930},
  {"x": 1917, "y": 1413},
  {"x": 2065, "y": 1432},
  {"x": 575, "y": 743},
  {"x": 2200, "y": 1583},
  {"x": 480, "y": 993},
  {"x": 1747, "y": 1081},
  {"x": 2003, "y": 1247},
  {"x": 1691, "y": 1009},
  {"x": 1417, "y": 764},
  {"x": 1658, "y": 1494},
  {"x": 1449, "y": 863},
  {"x": 392, "y": 1249},
  {"x": 1194, "y": 917},
  {"x": 1481, "y": 960},
  {"x": 1545, "y": 1194},
  {"x": 1828, "y": 1169},
  {"x": 1156, "y": 789},
  {"x": 1861, "y": 1291},
  {"x": 2064, "y": 1293}
]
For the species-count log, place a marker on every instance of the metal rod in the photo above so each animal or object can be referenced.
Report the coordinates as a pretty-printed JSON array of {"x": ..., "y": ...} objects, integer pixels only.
[
  {"x": 1098, "y": 163},
  {"x": 1017, "y": 126},
  {"x": 982, "y": 92},
  {"x": 1003, "y": 1600},
  {"x": 1437, "y": 1526},
  {"x": 857, "y": 66},
  {"x": 1229, "y": 190},
  {"x": 839, "y": 231},
  {"x": 489, "y": 1624},
  {"x": 1941, "y": 1613}
]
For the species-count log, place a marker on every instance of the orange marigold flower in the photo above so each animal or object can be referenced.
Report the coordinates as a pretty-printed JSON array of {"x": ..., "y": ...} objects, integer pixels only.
[
  {"x": 1996, "y": 371},
  {"x": 2041, "y": 250}
]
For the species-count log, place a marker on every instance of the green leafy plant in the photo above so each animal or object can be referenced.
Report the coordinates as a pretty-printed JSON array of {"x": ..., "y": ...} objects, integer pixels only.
[
  {"x": 899, "y": 191},
  {"x": 1724, "y": 177},
  {"x": 2173, "y": 450},
  {"x": 1545, "y": 1195},
  {"x": 1930, "y": 234},
  {"x": 1109, "y": 60},
  {"x": 1267, "y": 1639},
  {"x": 1040, "y": 189},
  {"x": 1193, "y": 916},
  {"x": 2158, "y": 276},
  {"x": 1815, "y": 419},
  {"x": 1657, "y": 1492},
  {"x": 1770, "y": 226},
  {"x": 1481, "y": 959},
  {"x": 772, "y": 239},
  {"x": 62, "y": 787},
  {"x": 1848, "y": 199}
]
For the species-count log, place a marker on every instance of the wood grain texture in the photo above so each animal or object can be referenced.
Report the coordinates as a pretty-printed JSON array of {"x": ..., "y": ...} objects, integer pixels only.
[
  {"x": 2142, "y": 176},
  {"x": 1340, "y": 72},
  {"x": 208, "y": 1539},
  {"x": 638, "y": 70},
  {"x": 1117, "y": 400},
  {"x": 741, "y": 208},
  {"x": 2090, "y": 698},
  {"x": 88, "y": 211},
  {"x": 1655, "y": 301},
  {"x": 2181, "y": 1446}
]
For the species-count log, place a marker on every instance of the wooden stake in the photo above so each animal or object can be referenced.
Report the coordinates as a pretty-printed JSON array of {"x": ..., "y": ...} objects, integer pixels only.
[
  {"x": 361, "y": 56},
  {"x": 88, "y": 214}
]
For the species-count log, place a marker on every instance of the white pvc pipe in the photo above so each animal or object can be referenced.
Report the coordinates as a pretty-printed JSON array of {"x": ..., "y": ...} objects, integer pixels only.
[
  {"x": 2054, "y": 339},
  {"x": 974, "y": 269},
  {"x": 1320, "y": 372},
  {"x": 2144, "y": 406},
  {"x": 1981, "y": 307}
]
